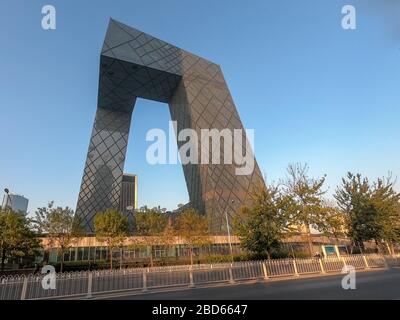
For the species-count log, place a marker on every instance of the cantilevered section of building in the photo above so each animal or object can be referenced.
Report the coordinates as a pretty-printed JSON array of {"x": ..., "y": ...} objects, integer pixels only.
[{"x": 134, "y": 64}]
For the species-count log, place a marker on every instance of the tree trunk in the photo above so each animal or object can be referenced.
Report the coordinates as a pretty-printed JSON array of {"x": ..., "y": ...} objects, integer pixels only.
[
  {"x": 3, "y": 259},
  {"x": 310, "y": 246},
  {"x": 309, "y": 240},
  {"x": 120, "y": 258},
  {"x": 268, "y": 255},
  {"x": 377, "y": 246},
  {"x": 151, "y": 257},
  {"x": 191, "y": 255},
  {"x": 291, "y": 247},
  {"x": 62, "y": 260},
  {"x": 111, "y": 258},
  {"x": 392, "y": 248},
  {"x": 360, "y": 247}
]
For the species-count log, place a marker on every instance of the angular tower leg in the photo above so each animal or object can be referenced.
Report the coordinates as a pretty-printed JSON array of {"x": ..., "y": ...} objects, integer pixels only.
[
  {"x": 202, "y": 101},
  {"x": 101, "y": 182}
]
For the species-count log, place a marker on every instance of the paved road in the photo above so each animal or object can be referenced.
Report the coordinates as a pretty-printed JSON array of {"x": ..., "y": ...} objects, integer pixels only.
[{"x": 383, "y": 284}]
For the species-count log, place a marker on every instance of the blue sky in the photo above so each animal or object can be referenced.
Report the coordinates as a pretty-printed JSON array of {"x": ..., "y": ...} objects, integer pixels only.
[{"x": 312, "y": 91}]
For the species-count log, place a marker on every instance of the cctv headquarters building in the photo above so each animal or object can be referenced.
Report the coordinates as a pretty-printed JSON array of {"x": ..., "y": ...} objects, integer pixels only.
[{"x": 135, "y": 65}]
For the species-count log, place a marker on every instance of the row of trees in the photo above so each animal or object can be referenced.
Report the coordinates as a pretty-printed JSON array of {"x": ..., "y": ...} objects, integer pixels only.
[
  {"x": 152, "y": 228},
  {"x": 20, "y": 236},
  {"x": 362, "y": 211}
]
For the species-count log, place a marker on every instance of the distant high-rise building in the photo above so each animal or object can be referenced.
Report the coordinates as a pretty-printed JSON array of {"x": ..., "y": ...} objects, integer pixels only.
[
  {"x": 128, "y": 197},
  {"x": 128, "y": 202},
  {"x": 15, "y": 202}
]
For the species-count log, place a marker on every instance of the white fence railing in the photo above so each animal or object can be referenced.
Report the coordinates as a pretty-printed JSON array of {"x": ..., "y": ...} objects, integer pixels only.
[{"x": 81, "y": 284}]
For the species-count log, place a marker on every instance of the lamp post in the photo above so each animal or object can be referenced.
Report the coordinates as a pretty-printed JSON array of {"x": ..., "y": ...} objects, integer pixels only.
[
  {"x": 129, "y": 209},
  {"x": 229, "y": 232},
  {"x": 8, "y": 198}
]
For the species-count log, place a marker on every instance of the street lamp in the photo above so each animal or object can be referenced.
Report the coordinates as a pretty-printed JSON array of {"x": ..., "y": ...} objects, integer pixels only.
[
  {"x": 229, "y": 232},
  {"x": 129, "y": 209},
  {"x": 8, "y": 198}
]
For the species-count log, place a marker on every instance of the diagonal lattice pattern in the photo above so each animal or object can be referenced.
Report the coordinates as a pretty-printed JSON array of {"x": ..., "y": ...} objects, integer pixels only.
[
  {"x": 100, "y": 188},
  {"x": 134, "y": 64}
]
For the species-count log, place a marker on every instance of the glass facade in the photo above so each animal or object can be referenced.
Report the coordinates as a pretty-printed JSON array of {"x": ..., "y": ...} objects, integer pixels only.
[
  {"x": 142, "y": 254},
  {"x": 128, "y": 198},
  {"x": 16, "y": 202},
  {"x": 134, "y": 64}
]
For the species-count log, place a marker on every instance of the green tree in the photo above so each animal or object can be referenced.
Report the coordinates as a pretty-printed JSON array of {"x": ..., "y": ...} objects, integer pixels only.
[
  {"x": 151, "y": 224},
  {"x": 307, "y": 195},
  {"x": 193, "y": 229},
  {"x": 18, "y": 240},
  {"x": 372, "y": 210},
  {"x": 111, "y": 227},
  {"x": 385, "y": 201},
  {"x": 334, "y": 222},
  {"x": 60, "y": 227},
  {"x": 169, "y": 235},
  {"x": 353, "y": 197},
  {"x": 262, "y": 226}
]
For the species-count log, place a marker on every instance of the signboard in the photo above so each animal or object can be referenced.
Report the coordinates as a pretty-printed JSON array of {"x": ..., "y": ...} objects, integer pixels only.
[
  {"x": 343, "y": 250},
  {"x": 330, "y": 250}
]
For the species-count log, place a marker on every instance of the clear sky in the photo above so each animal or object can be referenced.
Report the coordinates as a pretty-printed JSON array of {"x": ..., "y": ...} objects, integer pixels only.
[{"x": 312, "y": 91}]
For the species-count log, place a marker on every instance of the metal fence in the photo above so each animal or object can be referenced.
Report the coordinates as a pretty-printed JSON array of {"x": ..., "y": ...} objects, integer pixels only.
[{"x": 88, "y": 283}]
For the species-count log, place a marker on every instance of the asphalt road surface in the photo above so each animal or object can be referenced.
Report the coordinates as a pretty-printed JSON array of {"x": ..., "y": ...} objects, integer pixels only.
[{"x": 382, "y": 284}]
